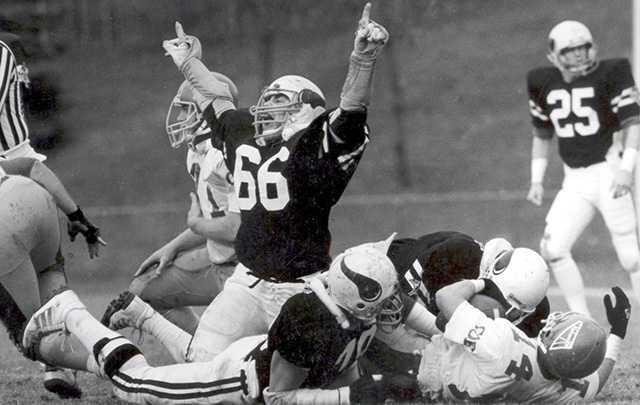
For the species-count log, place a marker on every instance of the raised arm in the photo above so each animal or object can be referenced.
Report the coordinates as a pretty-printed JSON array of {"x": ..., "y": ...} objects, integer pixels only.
[{"x": 370, "y": 39}]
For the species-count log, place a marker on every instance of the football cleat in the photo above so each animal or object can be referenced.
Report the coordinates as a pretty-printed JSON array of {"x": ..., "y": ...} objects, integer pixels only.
[
  {"x": 61, "y": 382},
  {"x": 128, "y": 310},
  {"x": 49, "y": 319}
]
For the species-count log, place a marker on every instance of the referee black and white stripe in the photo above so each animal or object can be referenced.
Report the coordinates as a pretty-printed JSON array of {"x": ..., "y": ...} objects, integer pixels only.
[{"x": 13, "y": 126}]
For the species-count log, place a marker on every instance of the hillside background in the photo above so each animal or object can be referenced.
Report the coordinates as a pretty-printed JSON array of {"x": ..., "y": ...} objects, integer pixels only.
[{"x": 449, "y": 114}]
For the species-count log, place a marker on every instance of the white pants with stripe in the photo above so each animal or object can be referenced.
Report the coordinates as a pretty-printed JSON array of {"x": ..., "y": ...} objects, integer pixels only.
[{"x": 228, "y": 379}]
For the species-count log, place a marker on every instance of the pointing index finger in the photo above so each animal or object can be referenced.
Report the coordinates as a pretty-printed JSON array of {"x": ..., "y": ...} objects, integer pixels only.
[
  {"x": 364, "y": 20},
  {"x": 180, "y": 32}
]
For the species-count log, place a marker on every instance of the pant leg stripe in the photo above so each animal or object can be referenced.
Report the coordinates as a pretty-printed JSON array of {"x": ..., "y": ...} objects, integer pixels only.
[
  {"x": 175, "y": 395},
  {"x": 178, "y": 385}
]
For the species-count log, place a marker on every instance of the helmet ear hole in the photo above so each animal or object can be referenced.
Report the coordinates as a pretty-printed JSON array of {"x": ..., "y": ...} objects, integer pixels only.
[{"x": 360, "y": 305}]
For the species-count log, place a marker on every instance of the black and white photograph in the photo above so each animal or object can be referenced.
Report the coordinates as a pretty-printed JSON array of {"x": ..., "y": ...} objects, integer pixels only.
[{"x": 337, "y": 202}]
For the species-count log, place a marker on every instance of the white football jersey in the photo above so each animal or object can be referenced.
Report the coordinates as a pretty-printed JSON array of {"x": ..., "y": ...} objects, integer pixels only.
[
  {"x": 479, "y": 359},
  {"x": 213, "y": 186}
]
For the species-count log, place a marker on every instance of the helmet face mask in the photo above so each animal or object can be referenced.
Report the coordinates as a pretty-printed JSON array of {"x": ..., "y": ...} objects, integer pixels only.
[
  {"x": 184, "y": 120},
  {"x": 571, "y": 48},
  {"x": 286, "y": 106}
]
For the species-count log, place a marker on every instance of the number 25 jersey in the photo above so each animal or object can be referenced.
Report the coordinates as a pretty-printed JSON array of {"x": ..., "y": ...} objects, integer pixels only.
[
  {"x": 285, "y": 191},
  {"x": 586, "y": 112}
]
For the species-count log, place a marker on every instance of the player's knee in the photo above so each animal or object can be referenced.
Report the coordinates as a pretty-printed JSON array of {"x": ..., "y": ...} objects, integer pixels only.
[
  {"x": 551, "y": 251},
  {"x": 626, "y": 245}
]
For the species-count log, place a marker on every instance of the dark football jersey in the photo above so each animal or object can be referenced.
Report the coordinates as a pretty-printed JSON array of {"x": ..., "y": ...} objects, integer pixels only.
[
  {"x": 285, "y": 191},
  {"x": 307, "y": 335},
  {"x": 585, "y": 113},
  {"x": 434, "y": 260}
]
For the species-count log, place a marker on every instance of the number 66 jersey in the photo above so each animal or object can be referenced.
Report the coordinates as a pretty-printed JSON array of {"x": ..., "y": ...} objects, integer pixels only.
[
  {"x": 480, "y": 360},
  {"x": 586, "y": 112},
  {"x": 285, "y": 190}
]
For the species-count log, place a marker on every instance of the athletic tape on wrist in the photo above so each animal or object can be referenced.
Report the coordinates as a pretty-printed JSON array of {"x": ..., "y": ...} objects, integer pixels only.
[
  {"x": 629, "y": 157},
  {"x": 538, "y": 167},
  {"x": 613, "y": 347}
]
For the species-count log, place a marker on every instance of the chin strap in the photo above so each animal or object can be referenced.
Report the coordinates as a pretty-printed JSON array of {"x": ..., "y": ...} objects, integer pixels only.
[{"x": 318, "y": 288}]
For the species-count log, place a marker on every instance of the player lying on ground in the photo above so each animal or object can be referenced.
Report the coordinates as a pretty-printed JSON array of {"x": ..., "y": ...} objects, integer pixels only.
[
  {"x": 191, "y": 268},
  {"x": 31, "y": 263},
  {"x": 428, "y": 263},
  {"x": 309, "y": 355},
  {"x": 480, "y": 359},
  {"x": 291, "y": 160}
]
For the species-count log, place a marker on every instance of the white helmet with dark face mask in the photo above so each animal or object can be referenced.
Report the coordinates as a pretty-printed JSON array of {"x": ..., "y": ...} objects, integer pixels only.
[
  {"x": 568, "y": 37},
  {"x": 362, "y": 279},
  {"x": 286, "y": 106},
  {"x": 184, "y": 119}
]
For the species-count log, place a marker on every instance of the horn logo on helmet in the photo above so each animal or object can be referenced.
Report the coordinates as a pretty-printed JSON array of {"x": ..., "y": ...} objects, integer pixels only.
[{"x": 368, "y": 288}]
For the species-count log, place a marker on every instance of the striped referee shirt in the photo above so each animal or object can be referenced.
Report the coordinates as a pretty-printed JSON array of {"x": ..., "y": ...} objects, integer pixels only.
[{"x": 13, "y": 126}]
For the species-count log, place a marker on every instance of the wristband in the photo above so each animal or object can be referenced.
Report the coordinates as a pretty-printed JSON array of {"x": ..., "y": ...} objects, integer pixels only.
[
  {"x": 77, "y": 216},
  {"x": 628, "y": 159},
  {"x": 478, "y": 285},
  {"x": 613, "y": 347},
  {"x": 538, "y": 167}
]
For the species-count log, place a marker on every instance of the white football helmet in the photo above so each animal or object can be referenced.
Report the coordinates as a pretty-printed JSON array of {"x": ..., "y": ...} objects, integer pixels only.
[
  {"x": 279, "y": 120},
  {"x": 184, "y": 119},
  {"x": 491, "y": 252},
  {"x": 522, "y": 276},
  {"x": 572, "y": 345},
  {"x": 361, "y": 280},
  {"x": 569, "y": 35}
]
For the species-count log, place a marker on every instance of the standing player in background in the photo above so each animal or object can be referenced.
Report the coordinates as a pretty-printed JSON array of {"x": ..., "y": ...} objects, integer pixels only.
[
  {"x": 14, "y": 77},
  {"x": 31, "y": 264},
  {"x": 288, "y": 171},
  {"x": 190, "y": 270},
  {"x": 584, "y": 101}
]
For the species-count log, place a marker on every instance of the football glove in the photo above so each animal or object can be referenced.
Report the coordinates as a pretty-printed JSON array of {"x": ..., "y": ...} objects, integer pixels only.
[
  {"x": 182, "y": 48},
  {"x": 78, "y": 223},
  {"x": 370, "y": 36},
  {"x": 395, "y": 387},
  {"x": 618, "y": 315}
]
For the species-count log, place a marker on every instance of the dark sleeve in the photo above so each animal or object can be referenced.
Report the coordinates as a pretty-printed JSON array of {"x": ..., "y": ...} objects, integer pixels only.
[
  {"x": 231, "y": 125},
  {"x": 537, "y": 109},
  {"x": 532, "y": 324},
  {"x": 18, "y": 166},
  {"x": 347, "y": 132},
  {"x": 623, "y": 93}
]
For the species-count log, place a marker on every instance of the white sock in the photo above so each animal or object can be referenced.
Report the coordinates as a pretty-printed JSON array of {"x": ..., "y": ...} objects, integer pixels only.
[
  {"x": 87, "y": 328},
  {"x": 174, "y": 339},
  {"x": 635, "y": 284},
  {"x": 183, "y": 317},
  {"x": 570, "y": 282}
]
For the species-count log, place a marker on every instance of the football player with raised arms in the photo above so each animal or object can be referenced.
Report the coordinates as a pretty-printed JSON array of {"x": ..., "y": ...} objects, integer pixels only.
[
  {"x": 291, "y": 160},
  {"x": 190, "y": 270},
  {"x": 309, "y": 355},
  {"x": 32, "y": 266},
  {"x": 584, "y": 101},
  {"x": 480, "y": 359}
]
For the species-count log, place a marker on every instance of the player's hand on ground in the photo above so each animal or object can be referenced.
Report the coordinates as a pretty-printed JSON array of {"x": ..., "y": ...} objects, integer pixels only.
[
  {"x": 79, "y": 224},
  {"x": 618, "y": 314},
  {"x": 370, "y": 36},
  {"x": 195, "y": 212},
  {"x": 183, "y": 47},
  {"x": 621, "y": 183},
  {"x": 536, "y": 194},
  {"x": 161, "y": 258}
]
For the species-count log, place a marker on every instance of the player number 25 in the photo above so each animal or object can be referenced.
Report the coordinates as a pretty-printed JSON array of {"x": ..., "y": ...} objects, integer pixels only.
[
  {"x": 264, "y": 177},
  {"x": 572, "y": 102}
]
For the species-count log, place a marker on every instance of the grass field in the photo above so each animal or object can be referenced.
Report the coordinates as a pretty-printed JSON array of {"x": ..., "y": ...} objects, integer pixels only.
[{"x": 468, "y": 131}]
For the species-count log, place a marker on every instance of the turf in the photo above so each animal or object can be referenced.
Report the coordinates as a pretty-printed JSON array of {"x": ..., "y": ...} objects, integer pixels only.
[{"x": 467, "y": 130}]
